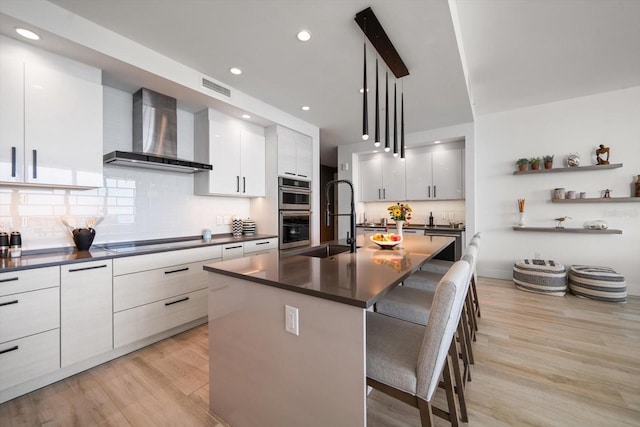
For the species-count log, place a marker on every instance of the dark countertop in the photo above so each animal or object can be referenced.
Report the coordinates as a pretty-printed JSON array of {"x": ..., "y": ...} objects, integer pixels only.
[
  {"x": 60, "y": 256},
  {"x": 358, "y": 279},
  {"x": 391, "y": 226}
]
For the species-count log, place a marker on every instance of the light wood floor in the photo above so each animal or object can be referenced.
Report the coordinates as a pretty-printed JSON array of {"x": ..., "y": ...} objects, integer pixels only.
[{"x": 540, "y": 361}]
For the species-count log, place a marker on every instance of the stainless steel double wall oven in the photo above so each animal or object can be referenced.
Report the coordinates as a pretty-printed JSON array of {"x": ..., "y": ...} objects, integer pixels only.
[{"x": 294, "y": 202}]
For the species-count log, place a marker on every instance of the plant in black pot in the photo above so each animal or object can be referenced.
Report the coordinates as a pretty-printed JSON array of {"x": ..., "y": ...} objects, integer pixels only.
[{"x": 83, "y": 237}]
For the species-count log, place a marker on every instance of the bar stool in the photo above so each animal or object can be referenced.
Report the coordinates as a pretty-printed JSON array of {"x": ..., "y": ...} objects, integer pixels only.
[{"x": 405, "y": 360}]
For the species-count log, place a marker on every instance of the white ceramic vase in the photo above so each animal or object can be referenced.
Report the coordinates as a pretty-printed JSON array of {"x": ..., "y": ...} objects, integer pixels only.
[
  {"x": 399, "y": 224},
  {"x": 521, "y": 219}
]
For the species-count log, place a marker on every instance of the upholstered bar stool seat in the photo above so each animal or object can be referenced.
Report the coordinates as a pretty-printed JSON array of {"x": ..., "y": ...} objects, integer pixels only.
[
  {"x": 406, "y": 303},
  {"x": 440, "y": 266},
  {"x": 425, "y": 280},
  {"x": 600, "y": 283}
]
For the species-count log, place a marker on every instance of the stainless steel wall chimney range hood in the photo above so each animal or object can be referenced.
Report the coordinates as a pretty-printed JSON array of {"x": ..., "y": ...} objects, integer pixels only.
[{"x": 155, "y": 140}]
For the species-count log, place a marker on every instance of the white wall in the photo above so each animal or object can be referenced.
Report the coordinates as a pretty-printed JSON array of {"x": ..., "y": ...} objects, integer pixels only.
[{"x": 575, "y": 125}]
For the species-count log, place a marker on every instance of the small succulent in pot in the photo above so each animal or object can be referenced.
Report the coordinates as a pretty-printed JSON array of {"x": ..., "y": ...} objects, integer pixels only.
[
  {"x": 548, "y": 161},
  {"x": 535, "y": 162},
  {"x": 522, "y": 164}
]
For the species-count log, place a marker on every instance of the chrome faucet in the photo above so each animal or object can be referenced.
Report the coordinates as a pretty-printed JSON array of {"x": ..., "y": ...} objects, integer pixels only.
[{"x": 351, "y": 239}]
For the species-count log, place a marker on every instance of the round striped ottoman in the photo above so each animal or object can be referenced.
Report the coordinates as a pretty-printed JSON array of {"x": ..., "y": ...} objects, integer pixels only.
[
  {"x": 540, "y": 276},
  {"x": 600, "y": 283}
]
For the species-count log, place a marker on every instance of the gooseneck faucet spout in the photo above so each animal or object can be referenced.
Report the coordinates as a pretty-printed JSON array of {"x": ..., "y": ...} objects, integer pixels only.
[{"x": 351, "y": 237}]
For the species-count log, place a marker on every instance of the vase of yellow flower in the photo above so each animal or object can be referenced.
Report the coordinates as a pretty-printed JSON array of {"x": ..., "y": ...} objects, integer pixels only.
[{"x": 400, "y": 213}]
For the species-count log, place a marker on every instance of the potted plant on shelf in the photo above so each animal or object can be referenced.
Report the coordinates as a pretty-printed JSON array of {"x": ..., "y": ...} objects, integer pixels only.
[
  {"x": 522, "y": 164},
  {"x": 548, "y": 161},
  {"x": 535, "y": 163}
]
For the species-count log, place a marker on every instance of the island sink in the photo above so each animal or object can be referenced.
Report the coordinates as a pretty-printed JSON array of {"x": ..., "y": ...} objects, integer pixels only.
[{"x": 324, "y": 251}]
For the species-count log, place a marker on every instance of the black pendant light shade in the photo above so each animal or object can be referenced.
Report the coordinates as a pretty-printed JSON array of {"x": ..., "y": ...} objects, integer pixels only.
[
  {"x": 395, "y": 120},
  {"x": 386, "y": 114},
  {"x": 365, "y": 109},
  {"x": 377, "y": 135},
  {"x": 402, "y": 124}
]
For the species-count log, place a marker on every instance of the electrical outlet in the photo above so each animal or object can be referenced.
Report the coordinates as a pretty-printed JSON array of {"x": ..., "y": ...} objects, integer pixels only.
[
  {"x": 291, "y": 320},
  {"x": 218, "y": 220},
  {"x": 227, "y": 219}
]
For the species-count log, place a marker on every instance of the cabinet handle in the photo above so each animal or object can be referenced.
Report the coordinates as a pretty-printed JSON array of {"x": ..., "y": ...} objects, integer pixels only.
[
  {"x": 303, "y": 176},
  {"x": 384, "y": 194},
  {"x": 13, "y": 162},
  {"x": 262, "y": 243},
  {"x": 10, "y": 279},
  {"x": 434, "y": 191},
  {"x": 244, "y": 184},
  {"x": 429, "y": 192},
  {"x": 177, "y": 271},
  {"x": 14, "y": 348},
  {"x": 378, "y": 194},
  {"x": 35, "y": 164},
  {"x": 290, "y": 173},
  {"x": 237, "y": 183},
  {"x": 232, "y": 247},
  {"x": 2, "y": 304},
  {"x": 175, "y": 302},
  {"x": 73, "y": 270}
]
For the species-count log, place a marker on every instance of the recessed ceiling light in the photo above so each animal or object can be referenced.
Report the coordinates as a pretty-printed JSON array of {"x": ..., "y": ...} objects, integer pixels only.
[
  {"x": 304, "y": 36},
  {"x": 306, "y": 108},
  {"x": 27, "y": 34},
  {"x": 437, "y": 142},
  {"x": 246, "y": 116},
  {"x": 235, "y": 70}
]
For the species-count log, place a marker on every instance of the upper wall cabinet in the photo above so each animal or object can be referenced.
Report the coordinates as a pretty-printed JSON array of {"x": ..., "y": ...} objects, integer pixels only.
[
  {"x": 295, "y": 154},
  {"x": 434, "y": 174},
  {"x": 382, "y": 177},
  {"x": 50, "y": 123},
  {"x": 236, "y": 150}
]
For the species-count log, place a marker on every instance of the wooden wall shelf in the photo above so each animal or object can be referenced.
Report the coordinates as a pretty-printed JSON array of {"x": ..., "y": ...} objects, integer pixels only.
[
  {"x": 567, "y": 230},
  {"x": 599, "y": 200},
  {"x": 570, "y": 169}
]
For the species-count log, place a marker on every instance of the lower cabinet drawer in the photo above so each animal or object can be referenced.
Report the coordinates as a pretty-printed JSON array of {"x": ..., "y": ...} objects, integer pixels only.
[
  {"x": 29, "y": 313},
  {"x": 29, "y": 357},
  {"x": 260, "y": 245},
  {"x": 150, "y": 319}
]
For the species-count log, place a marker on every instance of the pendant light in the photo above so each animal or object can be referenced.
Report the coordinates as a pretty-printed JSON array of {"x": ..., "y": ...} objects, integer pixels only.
[
  {"x": 386, "y": 114},
  {"x": 402, "y": 123},
  {"x": 365, "y": 110},
  {"x": 376, "y": 142},
  {"x": 395, "y": 120}
]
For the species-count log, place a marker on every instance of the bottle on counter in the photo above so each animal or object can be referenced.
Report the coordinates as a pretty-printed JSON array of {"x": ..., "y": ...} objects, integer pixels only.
[
  {"x": 4, "y": 245},
  {"x": 15, "y": 245},
  {"x": 431, "y": 219}
]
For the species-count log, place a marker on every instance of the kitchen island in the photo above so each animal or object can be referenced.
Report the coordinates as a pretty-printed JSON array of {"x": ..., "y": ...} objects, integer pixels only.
[{"x": 262, "y": 375}]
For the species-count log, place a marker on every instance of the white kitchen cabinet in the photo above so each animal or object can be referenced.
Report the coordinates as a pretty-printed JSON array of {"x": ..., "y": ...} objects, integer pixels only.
[
  {"x": 382, "y": 178},
  {"x": 295, "y": 154},
  {"x": 153, "y": 293},
  {"x": 29, "y": 324},
  {"x": 51, "y": 129},
  {"x": 232, "y": 251},
  {"x": 434, "y": 175},
  {"x": 236, "y": 149},
  {"x": 86, "y": 311},
  {"x": 252, "y": 246}
]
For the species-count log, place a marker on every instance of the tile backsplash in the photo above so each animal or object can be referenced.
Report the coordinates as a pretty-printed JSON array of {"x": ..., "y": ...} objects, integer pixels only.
[{"x": 136, "y": 205}]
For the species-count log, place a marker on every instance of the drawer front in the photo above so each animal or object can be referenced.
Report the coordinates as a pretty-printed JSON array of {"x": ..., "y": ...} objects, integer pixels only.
[
  {"x": 136, "y": 263},
  {"x": 232, "y": 251},
  {"x": 260, "y": 245},
  {"x": 141, "y": 322},
  {"x": 29, "y": 280},
  {"x": 137, "y": 289},
  {"x": 29, "y": 357},
  {"x": 29, "y": 313}
]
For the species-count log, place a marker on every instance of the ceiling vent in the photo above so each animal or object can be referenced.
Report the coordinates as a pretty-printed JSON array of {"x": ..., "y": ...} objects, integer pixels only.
[{"x": 208, "y": 84}]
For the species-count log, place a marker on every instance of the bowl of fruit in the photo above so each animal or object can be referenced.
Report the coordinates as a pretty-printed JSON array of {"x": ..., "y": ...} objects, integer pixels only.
[{"x": 386, "y": 241}]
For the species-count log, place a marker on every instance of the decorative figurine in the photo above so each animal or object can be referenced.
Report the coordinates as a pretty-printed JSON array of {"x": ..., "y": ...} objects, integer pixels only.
[
  {"x": 573, "y": 160},
  {"x": 607, "y": 194},
  {"x": 600, "y": 152},
  {"x": 561, "y": 220}
]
